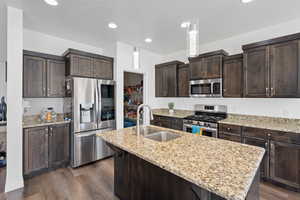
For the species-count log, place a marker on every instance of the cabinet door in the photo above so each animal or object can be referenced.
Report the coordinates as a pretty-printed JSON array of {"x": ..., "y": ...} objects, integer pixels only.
[
  {"x": 230, "y": 137},
  {"x": 171, "y": 80},
  {"x": 183, "y": 81},
  {"x": 34, "y": 77},
  {"x": 198, "y": 69},
  {"x": 56, "y": 71},
  {"x": 256, "y": 72},
  {"x": 233, "y": 78},
  {"x": 122, "y": 175},
  {"x": 59, "y": 145},
  {"x": 264, "y": 168},
  {"x": 35, "y": 149},
  {"x": 159, "y": 82},
  {"x": 214, "y": 67},
  {"x": 103, "y": 69},
  {"x": 285, "y": 163},
  {"x": 81, "y": 66},
  {"x": 284, "y": 66}
]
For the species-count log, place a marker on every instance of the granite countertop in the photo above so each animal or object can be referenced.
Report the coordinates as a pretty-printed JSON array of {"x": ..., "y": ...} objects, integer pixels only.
[
  {"x": 35, "y": 121},
  {"x": 219, "y": 166},
  {"x": 176, "y": 114},
  {"x": 271, "y": 123}
]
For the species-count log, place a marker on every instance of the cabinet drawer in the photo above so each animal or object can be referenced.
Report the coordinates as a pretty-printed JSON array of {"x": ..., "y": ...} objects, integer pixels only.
[
  {"x": 229, "y": 136},
  {"x": 255, "y": 133},
  {"x": 232, "y": 129},
  {"x": 287, "y": 137}
]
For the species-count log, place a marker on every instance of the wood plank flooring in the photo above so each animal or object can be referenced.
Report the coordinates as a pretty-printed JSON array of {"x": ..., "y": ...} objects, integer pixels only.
[{"x": 95, "y": 182}]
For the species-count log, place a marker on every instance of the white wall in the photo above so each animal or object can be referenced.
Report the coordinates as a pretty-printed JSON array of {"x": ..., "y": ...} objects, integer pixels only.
[
  {"x": 44, "y": 43},
  {"x": 124, "y": 63},
  {"x": 2, "y": 48},
  {"x": 288, "y": 108},
  {"x": 14, "y": 170}
]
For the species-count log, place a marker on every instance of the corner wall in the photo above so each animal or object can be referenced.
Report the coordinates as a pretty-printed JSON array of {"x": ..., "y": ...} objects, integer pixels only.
[{"x": 287, "y": 108}]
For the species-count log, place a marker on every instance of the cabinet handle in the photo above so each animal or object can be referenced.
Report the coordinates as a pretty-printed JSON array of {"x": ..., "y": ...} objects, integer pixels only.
[
  {"x": 267, "y": 91},
  {"x": 269, "y": 134},
  {"x": 228, "y": 129},
  {"x": 266, "y": 145}
]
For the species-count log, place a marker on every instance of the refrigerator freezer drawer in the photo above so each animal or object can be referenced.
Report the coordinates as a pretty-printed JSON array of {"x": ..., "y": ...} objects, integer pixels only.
[
  {"x": 102, "y": 150},
  {"x": 84, "y": 149}
]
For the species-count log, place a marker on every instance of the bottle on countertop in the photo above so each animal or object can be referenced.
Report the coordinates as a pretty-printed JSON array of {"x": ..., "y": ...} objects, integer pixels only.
[{"x": 48, "y": 115}]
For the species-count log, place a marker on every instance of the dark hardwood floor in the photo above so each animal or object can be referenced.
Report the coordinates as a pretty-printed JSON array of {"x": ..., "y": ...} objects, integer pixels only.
[{"x": 95, "y": 182}]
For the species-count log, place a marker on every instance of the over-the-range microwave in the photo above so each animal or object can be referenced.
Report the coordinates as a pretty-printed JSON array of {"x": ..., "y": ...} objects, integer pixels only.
[{"x": 206, "y": 88}]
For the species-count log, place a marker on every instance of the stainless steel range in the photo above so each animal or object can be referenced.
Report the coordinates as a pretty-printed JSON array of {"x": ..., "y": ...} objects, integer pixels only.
[{"x": 206, "y": 117}]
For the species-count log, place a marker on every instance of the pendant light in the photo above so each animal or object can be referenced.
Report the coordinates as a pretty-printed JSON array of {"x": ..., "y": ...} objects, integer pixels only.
[{"x": 136, "y": 58}]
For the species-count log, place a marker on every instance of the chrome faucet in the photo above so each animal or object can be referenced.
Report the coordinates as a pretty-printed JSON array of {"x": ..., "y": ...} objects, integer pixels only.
[{"x": 138, "y": 117}]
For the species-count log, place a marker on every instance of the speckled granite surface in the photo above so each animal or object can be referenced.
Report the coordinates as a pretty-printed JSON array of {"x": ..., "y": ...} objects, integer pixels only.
[
  {"x": 272, "y": 123},
  {"x": 177, "y": 113},
  {"x": 34, "y": 121},
  {"x": 222, "y": 167}
]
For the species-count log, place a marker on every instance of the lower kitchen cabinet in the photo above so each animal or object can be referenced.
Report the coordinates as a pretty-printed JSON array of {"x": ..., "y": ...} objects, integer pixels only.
[
  {"x": 137, "y": 179},
  {"x": 45, "y": 148},
  {"x": 285, "y": 163},
  {"x": 59, "y": 145},
  {"x": 281, "y": 162},
  {"x": 264, "y": 167},
  {"x": 168, "y": 122},
  {"x": 36, "y": 149}
]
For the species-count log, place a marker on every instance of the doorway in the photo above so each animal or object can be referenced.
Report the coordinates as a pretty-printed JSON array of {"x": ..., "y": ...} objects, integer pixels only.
[{"x": 133, "y": 97}]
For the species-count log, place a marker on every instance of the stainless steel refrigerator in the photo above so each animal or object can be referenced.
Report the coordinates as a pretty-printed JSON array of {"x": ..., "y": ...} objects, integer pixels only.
[{"x": 93, "y": 111}]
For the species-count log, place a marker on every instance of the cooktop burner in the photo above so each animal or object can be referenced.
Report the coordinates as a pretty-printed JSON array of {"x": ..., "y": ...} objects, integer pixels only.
[{"x": 207, "y": 117}]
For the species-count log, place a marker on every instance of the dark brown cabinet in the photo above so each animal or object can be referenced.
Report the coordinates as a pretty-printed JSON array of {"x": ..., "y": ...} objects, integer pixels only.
[
  {"x": 207, "y": 66},
  {"x": 59, "y": 145},
  {"x": 256, "y": 72},
  {"x": 166, "y": 79},
  {"x": 84, "y": 64},
  {"x": 285, "y": 163},
  {"x": 272, "y": 68},
  {"x": 285, "y": 69},
  {"x": 56, "y": 78},
  {"x": 103, "y": 69},
  {"x": 81, "y": 66},
  {"x": 45, "y": 148},
  {"x": 35, "y": 149},
  {"x": 233, "y": 76},
  {"x": 168, "y": 122},
  {"x": 281, "y": 162},
  {"x": 137, "y": 179},
  {"x": 43, "y": 75},
  {"x": 230, "y": 132},
  {"x": 34, "y": 77},
  {"x": 183, "y": 80}
]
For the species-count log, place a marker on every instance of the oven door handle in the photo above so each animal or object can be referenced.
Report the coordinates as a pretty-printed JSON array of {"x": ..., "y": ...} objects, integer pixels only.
[{"x": 206, "y": 128}]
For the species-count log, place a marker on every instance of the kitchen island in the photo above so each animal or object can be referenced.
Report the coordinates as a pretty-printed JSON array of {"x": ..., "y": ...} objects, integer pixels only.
[{"x": 188, "y": 167}]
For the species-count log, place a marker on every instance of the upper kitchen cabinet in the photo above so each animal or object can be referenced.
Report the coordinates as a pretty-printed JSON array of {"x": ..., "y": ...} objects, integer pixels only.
[
  {"x": 166, "y": 80},
  {"x": 233, "y": 76},
  {"x": 183, "y": 80},
  {"x": 207, "y": 66},
  {"x": 271, "y": 68},
  {"x": 83, "y": 64},
  {"x": 43, "y": 75}
]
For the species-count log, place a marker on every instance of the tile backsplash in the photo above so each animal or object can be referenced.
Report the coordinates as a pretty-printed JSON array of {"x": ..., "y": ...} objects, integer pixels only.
[{"x": 36, "y": 105}]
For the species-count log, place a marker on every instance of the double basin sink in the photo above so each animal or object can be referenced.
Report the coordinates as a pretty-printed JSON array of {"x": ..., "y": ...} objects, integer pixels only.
[{"x": 157, "y": 134}]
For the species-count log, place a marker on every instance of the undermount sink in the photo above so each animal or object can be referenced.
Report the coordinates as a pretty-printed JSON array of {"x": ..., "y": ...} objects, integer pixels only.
[
  {"x": 163, "y": 136},
  {"x": 146, "y": 130}
]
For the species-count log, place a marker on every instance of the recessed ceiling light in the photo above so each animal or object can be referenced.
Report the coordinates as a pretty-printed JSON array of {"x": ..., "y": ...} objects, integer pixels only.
[
  {"x": 185, "y": 24},
  {"x": 148, "y": 40},
  {"x": 246, "y": 1},
  {"x": 51, "y": 2},
  {"x": 112, "y": 25}
]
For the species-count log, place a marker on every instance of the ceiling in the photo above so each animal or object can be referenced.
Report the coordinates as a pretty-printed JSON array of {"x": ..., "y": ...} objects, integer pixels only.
[{"x": 86, "y": 20}]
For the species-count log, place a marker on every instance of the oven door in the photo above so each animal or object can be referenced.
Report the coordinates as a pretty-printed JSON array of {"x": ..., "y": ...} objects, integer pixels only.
[
  {"x": 210, "y": 132},
  {"x": 206, "y": 88}
]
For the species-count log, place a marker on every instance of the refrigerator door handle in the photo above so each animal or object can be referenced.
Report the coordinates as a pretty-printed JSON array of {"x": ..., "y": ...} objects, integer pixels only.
[{"x": 99, "y": 102}]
